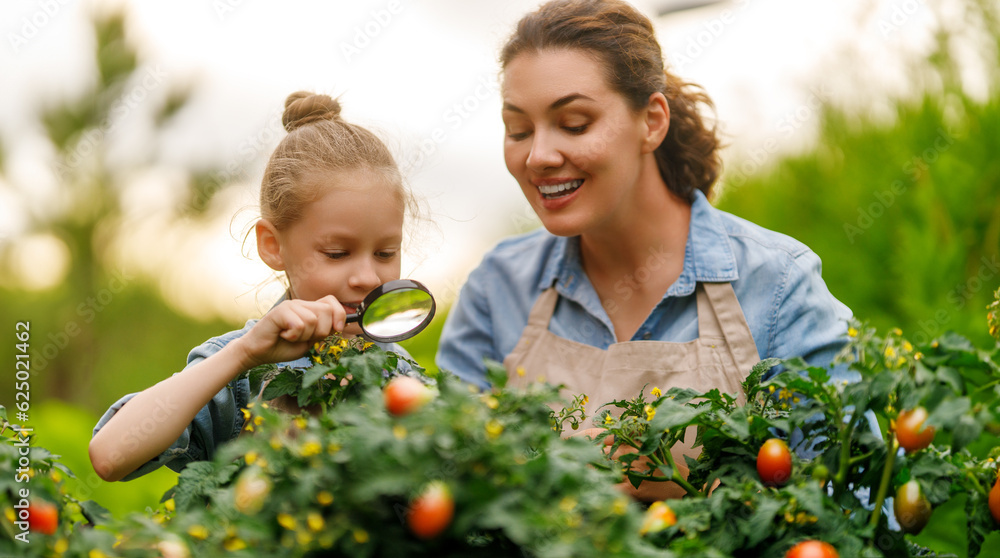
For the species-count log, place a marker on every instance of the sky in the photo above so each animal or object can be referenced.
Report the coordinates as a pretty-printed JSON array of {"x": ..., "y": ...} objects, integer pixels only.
[{"x": 423, "y": 74}]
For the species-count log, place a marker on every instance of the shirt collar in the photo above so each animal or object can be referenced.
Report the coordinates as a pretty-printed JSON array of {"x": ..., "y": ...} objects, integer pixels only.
[{"x": 708, "y": 256}]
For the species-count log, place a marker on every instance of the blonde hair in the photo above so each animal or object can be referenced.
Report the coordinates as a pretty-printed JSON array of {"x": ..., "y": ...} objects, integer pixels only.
[{"x": 318, "y": 140}]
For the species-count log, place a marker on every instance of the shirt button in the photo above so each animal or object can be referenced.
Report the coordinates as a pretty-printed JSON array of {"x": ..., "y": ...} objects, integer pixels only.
[{"x": 646, "y": 335}]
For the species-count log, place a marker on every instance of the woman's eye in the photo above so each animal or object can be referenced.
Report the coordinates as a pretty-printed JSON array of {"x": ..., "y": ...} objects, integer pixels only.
[
  {"x": 517, "y": 136},
  {"x": 576, "y": 129},
  {"x": 335, "y": 255}
]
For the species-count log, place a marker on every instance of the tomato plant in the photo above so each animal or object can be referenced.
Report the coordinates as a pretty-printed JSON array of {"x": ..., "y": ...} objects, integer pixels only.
[
  {"x": 431, "y": 511},
  {"x": 43, "y": 517},
  {"x": 913, "y": 436},
  {"x": 812, "y": 549},
  {"x": 774, "y": 462},
  {"x": 404, "y": 395},
  {"x": 912, "y": 509}
]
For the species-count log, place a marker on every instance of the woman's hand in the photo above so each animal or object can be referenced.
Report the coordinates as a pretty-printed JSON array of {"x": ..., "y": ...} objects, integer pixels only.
[{"x": 290, "y": 328}]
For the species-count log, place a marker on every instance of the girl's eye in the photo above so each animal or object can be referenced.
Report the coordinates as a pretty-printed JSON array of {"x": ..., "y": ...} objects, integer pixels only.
[
  {"x": 576, "y": 129},
  {"x": 335, "y": 255},
  {"x": 517, "y": 136},
  {"x": 386, "y": 254}
]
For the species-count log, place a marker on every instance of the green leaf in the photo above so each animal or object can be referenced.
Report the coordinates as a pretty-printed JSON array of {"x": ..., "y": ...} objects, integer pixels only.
[
  {"x": 752, "y": 382},
  {"x": 95, "y": 513},
  {"x": 285, "y": 383},
  {"x": 314, "y": 373},
  {"x": 496, "y": 374}
]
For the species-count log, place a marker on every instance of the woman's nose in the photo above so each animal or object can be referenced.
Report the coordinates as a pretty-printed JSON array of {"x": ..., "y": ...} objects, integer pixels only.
[{"x": 544, "y": 152}]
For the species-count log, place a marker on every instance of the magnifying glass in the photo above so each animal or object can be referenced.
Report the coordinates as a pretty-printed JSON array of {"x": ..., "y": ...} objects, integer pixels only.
[{"x": 394, "y": 311}]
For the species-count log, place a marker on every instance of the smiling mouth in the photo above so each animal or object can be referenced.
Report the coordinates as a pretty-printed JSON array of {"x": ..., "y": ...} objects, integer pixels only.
[{"x": 555, "y": 191}]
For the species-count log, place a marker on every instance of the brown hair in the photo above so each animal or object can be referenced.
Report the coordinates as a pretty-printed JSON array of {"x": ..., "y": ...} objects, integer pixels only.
[
  {"x": 625, "y": 41},
  {"x": 318, "y": 140}
]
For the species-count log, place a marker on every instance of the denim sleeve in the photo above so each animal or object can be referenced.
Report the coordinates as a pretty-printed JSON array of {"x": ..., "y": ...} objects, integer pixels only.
[
  {"x": 467, "y": 337},
  {"x": 216, "y": 423},
  {"x": 807, "y": 320}
]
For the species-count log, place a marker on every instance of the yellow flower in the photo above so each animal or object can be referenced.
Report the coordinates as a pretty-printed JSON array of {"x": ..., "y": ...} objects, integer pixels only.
[
  {"x": 520, "y": 371},
  {"x": 251, "y": 457},
  {"x": 608, "y": 419},
  {"x": 399, "y": 431},
  {"x": 287, "y": 521},
  {"x": 900, "y": 361},
  {"x": 567, "y": 504},
  {"x": 890, "y": 352},
  {"x": 233, "y": 544},
  {"x": 896, "y": 331},
  {"x": 11, "y": 516},
  {"x": 907, "y": 346},
  {"x": 332, "y": 448},
  {"x": 198, "y": 532},
  {"x": 656, "y": 392},
  {"x": 360, "y": 536},
  {"x": 61, "y": 546},
  {"x": 96, "y": 554},
  {"x": 918, "y": 355},
  {"x": 852, "y": 332},
  {"x": 585, "y": 400},
  {"x": 311, "y": 448},
  {"x": 315, "y": 521},
  {"x": 493, "y": 429},
  {"x": 324, "y": 498},
  {"x": 275, "y": 443},
  {"x": 770, "y": 389},
  {"x": 619, "y": 507},
  {"x": 258, "y": 420},
  {"x": 246, "y": 414},
  {"x": 169, "y": 504},
  {"x": 491, "y": 402},
  {"x": 301, "y": 423},
  {"x": 650, "y": 412}
]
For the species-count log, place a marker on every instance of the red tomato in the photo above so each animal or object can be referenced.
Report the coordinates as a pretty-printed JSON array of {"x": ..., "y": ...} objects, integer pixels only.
[
  {"x": 812, "y": 549},
  {"x": 913, "y": 511},
  {"x": 404, "y": 395},
  {"x": 910, "y": 430},
  {"x": 43, "y": 517},
  {"x": 431, "y": 511},
  {"x": 774, "y": 463},
  {"x": 995, "y": 501}
]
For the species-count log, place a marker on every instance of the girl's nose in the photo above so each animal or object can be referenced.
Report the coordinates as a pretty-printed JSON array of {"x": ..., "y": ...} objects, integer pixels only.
[{"x": 363, "y": 276}]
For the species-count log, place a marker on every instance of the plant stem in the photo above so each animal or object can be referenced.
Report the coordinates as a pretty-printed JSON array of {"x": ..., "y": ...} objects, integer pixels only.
[
  {"x": 883, "y": 487},
  {"x": 840, "y": 479}
]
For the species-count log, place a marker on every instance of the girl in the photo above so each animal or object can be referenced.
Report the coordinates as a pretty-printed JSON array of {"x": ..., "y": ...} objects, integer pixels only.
[
  {"x": 332, "y": 206},
  {"x": 636, "y": 280}
]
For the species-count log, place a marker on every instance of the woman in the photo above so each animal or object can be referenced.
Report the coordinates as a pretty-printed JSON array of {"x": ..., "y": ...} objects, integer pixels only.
[{"x": 636, "y": 280}]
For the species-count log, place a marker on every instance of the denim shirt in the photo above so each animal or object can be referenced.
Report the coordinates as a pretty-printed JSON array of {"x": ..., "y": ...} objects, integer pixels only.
[
  {"x": 221, "y": 419},
  {"x": 777, "y": 281}
]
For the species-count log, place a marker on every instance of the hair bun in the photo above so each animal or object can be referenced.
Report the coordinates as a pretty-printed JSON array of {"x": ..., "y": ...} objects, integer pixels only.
[{"x": 303, "y": 107}]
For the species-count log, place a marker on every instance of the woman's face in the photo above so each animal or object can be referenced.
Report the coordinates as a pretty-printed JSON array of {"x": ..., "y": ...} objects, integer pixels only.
[{"x": 574, "y": 145}]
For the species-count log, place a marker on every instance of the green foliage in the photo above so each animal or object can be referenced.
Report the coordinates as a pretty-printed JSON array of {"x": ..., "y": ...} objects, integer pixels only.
[
  {"x": 902, "y": 214},
  {"x": 840, "y": 461}
]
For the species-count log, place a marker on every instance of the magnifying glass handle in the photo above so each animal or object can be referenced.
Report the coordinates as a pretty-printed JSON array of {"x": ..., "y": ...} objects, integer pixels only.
[{"x": 355, "y": 317}]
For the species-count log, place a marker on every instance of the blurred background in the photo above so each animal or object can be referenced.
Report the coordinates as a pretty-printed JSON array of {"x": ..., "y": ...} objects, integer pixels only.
[{"x": 133, "y": 135}]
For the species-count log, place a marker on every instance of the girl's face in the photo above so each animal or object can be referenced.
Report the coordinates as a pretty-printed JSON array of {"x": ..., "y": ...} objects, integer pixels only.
[
  {"x": 347, "y": 241},
  {"x": 573, "y": 144}
]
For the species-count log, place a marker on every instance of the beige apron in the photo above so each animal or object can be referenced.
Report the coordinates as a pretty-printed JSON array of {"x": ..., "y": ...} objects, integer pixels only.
[{"x": 720, "y": 357}]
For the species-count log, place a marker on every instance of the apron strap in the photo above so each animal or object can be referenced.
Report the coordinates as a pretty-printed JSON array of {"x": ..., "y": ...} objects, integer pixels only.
[
  {"x": 729, "y": 317},
  {"x": 544, "y": 307}
]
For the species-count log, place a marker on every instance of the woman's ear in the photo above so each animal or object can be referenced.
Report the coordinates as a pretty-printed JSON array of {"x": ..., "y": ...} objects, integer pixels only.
[
  {"x": 268, "y": 246},
  {"x": 657, "y": 116}
]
